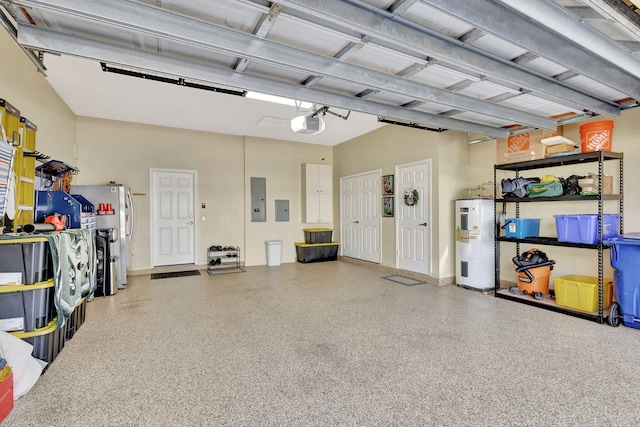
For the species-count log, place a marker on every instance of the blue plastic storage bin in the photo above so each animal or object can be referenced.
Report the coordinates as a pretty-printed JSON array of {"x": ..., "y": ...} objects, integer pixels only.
[
  {"x": 625, "y": 259},
  {"x": 583, "y": 228},
  {"x": 520, "y": 228}
]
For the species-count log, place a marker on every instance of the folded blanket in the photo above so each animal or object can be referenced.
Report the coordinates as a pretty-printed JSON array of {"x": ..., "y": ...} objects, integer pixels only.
[{"x": 74, "y": 263}]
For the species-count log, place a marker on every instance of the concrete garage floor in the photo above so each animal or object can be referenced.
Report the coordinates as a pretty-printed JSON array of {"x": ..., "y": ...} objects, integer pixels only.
[{"x": 331, "y": 344}]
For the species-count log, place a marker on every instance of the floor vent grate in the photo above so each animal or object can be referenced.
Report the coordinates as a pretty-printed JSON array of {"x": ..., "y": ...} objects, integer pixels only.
[{"x": 174, "y": 274}]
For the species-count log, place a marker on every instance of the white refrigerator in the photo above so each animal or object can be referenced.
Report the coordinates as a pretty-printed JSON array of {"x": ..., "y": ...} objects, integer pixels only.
[
  {"x": 120, "y": 220},
  {"x": 475, "y": 268}
]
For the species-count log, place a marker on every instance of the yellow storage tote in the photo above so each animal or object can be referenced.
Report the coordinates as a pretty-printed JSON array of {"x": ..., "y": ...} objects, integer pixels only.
[{"x": 581, "y": 292}]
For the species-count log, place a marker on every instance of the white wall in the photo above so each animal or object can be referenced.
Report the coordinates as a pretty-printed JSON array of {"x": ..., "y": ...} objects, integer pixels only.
[
  {"x": 27, "y": 89},
  {"x": 124, "y": 152},
  {"x": 390, "y": 146},
  {"x": 280, "y": 162},
  {"x": 451, "y": 179}
]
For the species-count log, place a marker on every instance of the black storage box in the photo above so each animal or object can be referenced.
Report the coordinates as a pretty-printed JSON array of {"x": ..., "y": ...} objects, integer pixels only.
[
  {"x": 47, "y": 342},
  {"x": 317, "y": 235},
  {"x": 306, "y": 252},
  {"x": 27, "y": 309},
  {"x": 76, "y": 319},
  {"x": 31, "y": 258}
]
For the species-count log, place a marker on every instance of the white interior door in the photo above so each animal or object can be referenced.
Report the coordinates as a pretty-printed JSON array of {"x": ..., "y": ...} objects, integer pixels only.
[
  {"x": 360, "y": 222},
  {"x": 350, "y": 215},
  {"x": 413, "y": 222},
  {"x": 173, "y": 225}
]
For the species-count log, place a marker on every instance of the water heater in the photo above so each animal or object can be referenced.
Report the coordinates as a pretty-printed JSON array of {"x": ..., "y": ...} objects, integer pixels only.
[{"x": 475, "y": 244}]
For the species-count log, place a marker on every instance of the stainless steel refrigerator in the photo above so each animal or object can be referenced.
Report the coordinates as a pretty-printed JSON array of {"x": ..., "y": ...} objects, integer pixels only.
[{"x": 118, "y": 196}]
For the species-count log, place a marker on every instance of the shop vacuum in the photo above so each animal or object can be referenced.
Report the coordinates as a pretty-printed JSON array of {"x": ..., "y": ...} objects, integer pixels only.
[{"x": 534, "y": 269}]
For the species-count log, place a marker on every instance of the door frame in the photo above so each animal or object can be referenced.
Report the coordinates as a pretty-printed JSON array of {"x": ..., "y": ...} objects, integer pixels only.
[
  {"x": 152, "y": 239},
  {"x": 430, "y": 210},
  {"x": 378, "y": 172}
]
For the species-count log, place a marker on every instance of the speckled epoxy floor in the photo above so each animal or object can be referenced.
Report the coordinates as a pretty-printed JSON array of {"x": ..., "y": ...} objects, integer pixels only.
[{"x": 331, "y": 344}]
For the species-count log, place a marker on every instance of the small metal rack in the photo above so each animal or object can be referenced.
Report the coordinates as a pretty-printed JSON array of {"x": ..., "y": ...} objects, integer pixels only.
[{"x": 223, "y": 259}]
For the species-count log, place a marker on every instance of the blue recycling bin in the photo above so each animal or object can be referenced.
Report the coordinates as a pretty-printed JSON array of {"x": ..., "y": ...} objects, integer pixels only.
[{"x": 625, "y": 259}]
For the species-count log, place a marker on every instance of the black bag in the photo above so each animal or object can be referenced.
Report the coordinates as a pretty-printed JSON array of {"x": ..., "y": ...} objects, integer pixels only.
[
  {"x": 516, "y": 187},
  {"x": 530, "y": 258},
  {"x": 570, "y": 185}
]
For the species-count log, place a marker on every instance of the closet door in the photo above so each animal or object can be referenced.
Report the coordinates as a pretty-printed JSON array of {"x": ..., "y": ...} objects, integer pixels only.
[{"x": 360, "y": 216}]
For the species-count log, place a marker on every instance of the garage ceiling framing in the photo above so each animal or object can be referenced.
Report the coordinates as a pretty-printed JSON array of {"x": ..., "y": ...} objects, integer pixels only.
[{"x": 488, "y": 67}]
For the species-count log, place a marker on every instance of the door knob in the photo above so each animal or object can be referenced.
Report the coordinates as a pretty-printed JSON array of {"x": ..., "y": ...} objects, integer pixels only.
[
  {"x": 356, "y": 222},
  {"x": 424, "y": 224},
  {"x": 190, "y": 223}
]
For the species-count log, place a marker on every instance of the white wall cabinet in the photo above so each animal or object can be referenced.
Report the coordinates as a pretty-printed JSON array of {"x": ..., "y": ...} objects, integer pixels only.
[{"x": 317, "y": 184}]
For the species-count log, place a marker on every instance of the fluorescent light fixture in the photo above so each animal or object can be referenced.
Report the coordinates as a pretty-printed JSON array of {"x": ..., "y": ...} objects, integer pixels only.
[
  {"x": 307, "y": 125},
  {"x": 280, "y": 100}
]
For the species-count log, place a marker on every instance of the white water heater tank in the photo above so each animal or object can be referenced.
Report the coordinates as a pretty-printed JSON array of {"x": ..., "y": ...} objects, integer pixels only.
[{"x": 475, "y": 268}]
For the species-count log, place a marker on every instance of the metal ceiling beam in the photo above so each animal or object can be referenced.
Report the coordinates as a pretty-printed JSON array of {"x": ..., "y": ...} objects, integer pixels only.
[
  {"x": 262, "y": 29},
  {"x": 557, "y": 19},
  {"x": 633, "y": 46},
  {"x": 344, "y": 53},
  {"x": 507, "y": 95},
  {"x": 472, "y": 35},
  {"x": 588, "y": 14},
  {"x": 505, "y": 23},
  {"x": 53, "y": 41},
  {"x": 399, "y": 7},
  {"x": 416, "y": 68},
  {"x": 457, "y": 87},
  {"x": 427, "y": 42},
  {"x": 524, "y": 58},
  {"x": 367, "y": 93},
  {"x": 166, "y": 25},
  {"x": 7, "y": 24},
  {"x": 566, "y": 75},
  {"x": 627, "y": 19}
]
